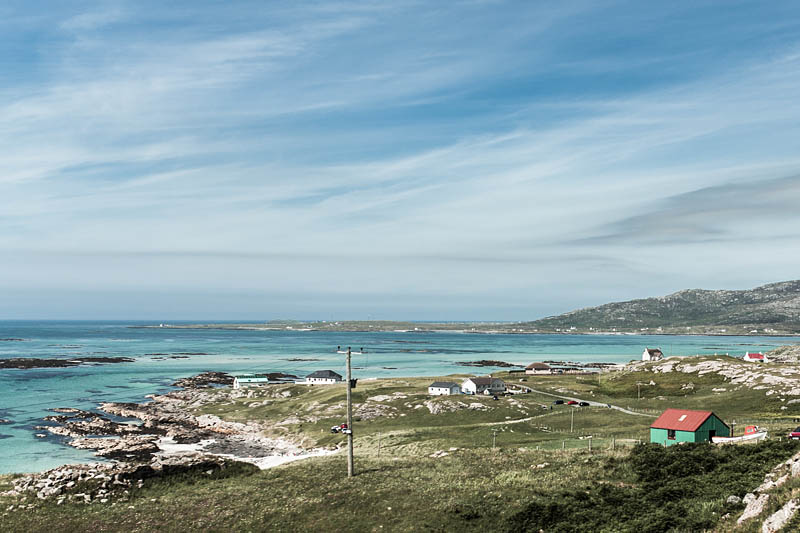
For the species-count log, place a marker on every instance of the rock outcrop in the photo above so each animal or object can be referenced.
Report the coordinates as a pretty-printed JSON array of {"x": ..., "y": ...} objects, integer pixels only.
[{"x": 103, "y": 482}]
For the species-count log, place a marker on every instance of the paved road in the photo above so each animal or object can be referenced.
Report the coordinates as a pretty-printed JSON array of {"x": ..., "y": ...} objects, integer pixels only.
[{"x": 590, "y": 402}]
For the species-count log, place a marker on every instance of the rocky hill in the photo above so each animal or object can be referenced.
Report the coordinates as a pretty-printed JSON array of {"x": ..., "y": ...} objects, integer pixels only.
[{"x": 769, "y": 309}]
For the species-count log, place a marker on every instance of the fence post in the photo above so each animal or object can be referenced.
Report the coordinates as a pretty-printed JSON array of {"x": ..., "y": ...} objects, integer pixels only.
[{"x": 563, "y": 445}]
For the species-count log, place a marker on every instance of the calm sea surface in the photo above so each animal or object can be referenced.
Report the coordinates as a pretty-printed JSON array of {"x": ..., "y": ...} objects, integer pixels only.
[{"x": 26, "y": 395}]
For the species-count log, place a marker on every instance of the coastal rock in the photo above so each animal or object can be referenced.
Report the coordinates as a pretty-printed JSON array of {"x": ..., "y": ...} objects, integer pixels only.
[
  {"x": 4, "y": 421},
  {"x": 84, "y": 483},
  {"x": 204, "y": 380},
  {"x": 484, "y": 362}
]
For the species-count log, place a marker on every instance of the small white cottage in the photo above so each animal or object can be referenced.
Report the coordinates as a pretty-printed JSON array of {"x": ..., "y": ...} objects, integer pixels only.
[
  {"x": 755, "y": 357},
  {"x": 483, "y": 385},
  {"x": 443, "y": 388},
  {"x": 323, "y": 377},
  {"x": 652, "y": 354}
]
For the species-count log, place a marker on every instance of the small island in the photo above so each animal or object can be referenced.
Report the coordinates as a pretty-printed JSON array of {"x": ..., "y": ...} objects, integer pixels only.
[{"x": 33, "y": 362}]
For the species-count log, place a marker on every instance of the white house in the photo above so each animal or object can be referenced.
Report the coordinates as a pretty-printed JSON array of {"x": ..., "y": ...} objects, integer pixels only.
[
  {"x": 250, "y": 380},
  {"x": 323, "y": 377},
  {"x": 652, "y": 354},
  {"x": 755, "y": 357},
  {"x": 443, "y": 388},
  {"x": 483, "y": 385},
  {"x": 538, "y": 368}
]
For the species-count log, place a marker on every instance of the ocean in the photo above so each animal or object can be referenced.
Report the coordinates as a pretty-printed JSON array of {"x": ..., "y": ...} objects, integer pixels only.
[{"x": 164, "y": 354}]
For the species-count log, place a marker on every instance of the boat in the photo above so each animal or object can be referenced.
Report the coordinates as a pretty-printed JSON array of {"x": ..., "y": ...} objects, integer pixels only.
[{"x": 751, "y": 433}]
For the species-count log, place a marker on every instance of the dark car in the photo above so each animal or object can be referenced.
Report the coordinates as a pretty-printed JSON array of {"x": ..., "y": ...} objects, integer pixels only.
[
  {"x": 558, "y": 402},
  {"x": 795, "y": 434},
  {"x": 584, "y": 404}
]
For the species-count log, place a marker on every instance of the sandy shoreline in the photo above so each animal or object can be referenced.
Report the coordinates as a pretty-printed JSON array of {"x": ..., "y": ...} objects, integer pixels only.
[{"x": 171, "y": 449}]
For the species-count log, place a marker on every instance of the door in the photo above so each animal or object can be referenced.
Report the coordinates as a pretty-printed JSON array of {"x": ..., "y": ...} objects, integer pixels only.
[{"x": 711, "y": 433}]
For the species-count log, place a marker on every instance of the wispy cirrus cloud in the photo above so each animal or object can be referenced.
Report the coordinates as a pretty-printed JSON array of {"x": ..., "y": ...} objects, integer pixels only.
[{"x": 390, "y": 148}]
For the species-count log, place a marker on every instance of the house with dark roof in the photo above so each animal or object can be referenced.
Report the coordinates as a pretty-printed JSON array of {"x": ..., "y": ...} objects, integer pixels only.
[
  {"x": 539, "y": 368},
  {"x": 443, "y": 388},
  {"x": 652, "y": 354},
  {"x": 323, "y": 377},
  {"x": 682, "y": 425},
  {"x": 483, "y": 385}
]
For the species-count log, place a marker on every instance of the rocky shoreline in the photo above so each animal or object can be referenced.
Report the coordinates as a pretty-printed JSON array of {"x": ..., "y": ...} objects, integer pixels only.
[{"x": 153, "y": 439}]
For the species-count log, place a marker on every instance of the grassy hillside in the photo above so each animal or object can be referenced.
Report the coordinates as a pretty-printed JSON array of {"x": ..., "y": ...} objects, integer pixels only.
[{"x": 655, "y": 490}]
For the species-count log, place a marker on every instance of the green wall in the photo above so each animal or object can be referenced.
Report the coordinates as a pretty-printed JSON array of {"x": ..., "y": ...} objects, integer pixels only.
[{"x": 659, "y": 436}]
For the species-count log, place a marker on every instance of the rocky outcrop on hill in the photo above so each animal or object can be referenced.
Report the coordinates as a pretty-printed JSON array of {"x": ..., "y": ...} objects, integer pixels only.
[
  {"x": 785, "y": 354},
  {"x": 445, "y": 406},
  {"x": 773, "y": 379},
  {"x": 756, "y": 501}
]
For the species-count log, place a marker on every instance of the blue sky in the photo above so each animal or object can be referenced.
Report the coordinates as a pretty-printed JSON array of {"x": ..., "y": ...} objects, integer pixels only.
[{"x": 479, "y": 160}]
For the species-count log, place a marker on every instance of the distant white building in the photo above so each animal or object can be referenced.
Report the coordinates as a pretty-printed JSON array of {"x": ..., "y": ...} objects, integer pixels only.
[
  {"x": 249, "y": 380},
  {"x": 652, "y": 354},
  {"x": 323, "y": 377},
  {"x": 443, "y": 388},
  {"x": 755, "y": 357},
  {"x": 483, "y": 385}
]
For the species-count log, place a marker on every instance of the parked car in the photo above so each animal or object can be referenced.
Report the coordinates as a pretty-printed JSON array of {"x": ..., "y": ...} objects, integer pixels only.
[
  {"x": 584, "y": 404},
  {"x": 795, "y": 435},
  {"x": 341, "y": 428},
  {"x": 558, "y": 402},
  {"x": 572, "y": 402}
]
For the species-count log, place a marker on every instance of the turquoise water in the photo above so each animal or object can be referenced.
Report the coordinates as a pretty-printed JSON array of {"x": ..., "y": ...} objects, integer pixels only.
[{"x": 26, "y": 395}]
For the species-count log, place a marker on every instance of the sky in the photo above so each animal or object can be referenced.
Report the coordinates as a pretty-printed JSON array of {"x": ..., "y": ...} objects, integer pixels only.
[{"x": 464, "y": 160}]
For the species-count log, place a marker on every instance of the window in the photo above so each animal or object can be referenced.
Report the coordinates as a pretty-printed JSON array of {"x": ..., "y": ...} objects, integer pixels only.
[{"x": 671, "y": 434}]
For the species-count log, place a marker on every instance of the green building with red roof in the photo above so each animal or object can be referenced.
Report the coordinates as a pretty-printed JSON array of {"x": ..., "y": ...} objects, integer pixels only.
[{"x": 682, "y": 425}]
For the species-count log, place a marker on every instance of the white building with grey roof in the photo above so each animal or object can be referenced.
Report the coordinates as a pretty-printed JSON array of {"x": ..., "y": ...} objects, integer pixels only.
[{"x": 443, "y": 388}]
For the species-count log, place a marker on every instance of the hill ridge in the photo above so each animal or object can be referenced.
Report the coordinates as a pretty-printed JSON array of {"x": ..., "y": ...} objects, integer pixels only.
[{"x": 773, "y": 308}]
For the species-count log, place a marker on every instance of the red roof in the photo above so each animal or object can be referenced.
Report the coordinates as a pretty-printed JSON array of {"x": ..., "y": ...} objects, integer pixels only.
[
  {"x": 681, "y": 419},
  {"x": 755, "y": 355}
]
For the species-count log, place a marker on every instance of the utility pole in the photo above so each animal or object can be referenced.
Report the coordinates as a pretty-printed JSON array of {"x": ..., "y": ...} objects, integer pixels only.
[
  {"x": 350, "y": 469},
  {"x": 572, "y": 420},
  {"x": 494, "y": 438}
]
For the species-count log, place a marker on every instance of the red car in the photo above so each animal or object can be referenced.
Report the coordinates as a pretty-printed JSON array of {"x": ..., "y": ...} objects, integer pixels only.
[
  {"x": 572, "y": 402},
  {"x": 795, "y": 434}
]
